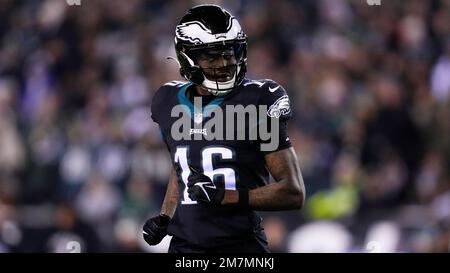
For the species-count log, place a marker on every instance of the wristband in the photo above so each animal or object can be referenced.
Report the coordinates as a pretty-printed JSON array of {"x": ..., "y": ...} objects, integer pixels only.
[
  {"x": 243, "y": 197},
  {"x": 164, "y": 219}
]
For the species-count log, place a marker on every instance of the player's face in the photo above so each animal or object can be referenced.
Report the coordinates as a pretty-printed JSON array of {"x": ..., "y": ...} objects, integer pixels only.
[{"x": 218, "y": 65}]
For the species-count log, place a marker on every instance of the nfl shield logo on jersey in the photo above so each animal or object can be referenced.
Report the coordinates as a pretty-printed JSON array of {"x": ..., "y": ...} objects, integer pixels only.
[{"x": 198, "y": 117}]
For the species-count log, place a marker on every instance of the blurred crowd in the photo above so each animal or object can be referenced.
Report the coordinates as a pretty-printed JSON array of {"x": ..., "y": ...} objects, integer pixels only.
[{"x": 82, "y": 161}]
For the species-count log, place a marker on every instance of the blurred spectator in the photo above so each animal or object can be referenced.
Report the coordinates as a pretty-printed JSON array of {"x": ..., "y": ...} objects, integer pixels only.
[
  {"x": 71, "y": 234},
  {"x": 276, "y": 232},
  {"x": 440, "y": 82},
  {"x": 320, "y": 237}
]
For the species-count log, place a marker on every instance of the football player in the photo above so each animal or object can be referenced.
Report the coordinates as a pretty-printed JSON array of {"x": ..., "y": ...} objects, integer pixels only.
[{"x": 217, "y": 184}]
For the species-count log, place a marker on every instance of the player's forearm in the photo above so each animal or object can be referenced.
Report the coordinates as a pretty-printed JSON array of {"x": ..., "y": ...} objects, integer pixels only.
[
  {"x": 171, "y": 199},
  {"x": 276, "y": 196},
  {"x": 288, "y": 192}
]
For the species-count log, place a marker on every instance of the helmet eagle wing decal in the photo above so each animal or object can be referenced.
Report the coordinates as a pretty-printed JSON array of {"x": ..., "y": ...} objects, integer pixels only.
[
  {"x": 197, "y": 33},
  {"x": 194, "y": 32}
]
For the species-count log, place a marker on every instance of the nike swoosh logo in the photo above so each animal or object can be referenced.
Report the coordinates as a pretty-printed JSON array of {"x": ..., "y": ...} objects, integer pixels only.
[
  {"x": 271, "y": 90},
  {"x": 202, "y": 186}
]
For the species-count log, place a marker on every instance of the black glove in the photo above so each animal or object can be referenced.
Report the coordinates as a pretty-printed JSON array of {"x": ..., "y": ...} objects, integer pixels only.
[
  {"x": 202, "y": 189},
  {"x": 155, "y": 229}
]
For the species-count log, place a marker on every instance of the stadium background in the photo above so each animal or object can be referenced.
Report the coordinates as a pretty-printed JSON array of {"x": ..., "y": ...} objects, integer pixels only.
[{"x": 81, "y": 161}]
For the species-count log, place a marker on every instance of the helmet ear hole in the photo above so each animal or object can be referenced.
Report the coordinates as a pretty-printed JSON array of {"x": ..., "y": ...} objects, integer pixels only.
[
  {"x": 196, "y": 75},
  {"x": 193, "y": 74}
]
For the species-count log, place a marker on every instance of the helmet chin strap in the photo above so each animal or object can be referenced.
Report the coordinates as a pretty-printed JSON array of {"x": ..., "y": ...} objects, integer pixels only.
[{"x": 214, "y": 87}]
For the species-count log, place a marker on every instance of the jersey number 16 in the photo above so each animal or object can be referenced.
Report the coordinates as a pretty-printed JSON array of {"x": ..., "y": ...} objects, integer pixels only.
[{"x": 181, "y": 157}]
